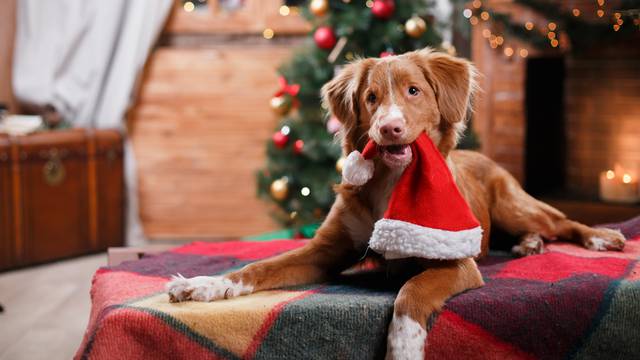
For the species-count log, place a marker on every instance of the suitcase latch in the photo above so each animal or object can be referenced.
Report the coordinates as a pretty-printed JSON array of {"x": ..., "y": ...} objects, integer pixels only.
[{"x": 53, "y": 171}]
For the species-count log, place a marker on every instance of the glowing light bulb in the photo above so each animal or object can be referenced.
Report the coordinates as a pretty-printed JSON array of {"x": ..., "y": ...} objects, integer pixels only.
[
  {"x": 528, "y": 25},
  {"x": 626, "y": 178},
  {"x": 284, "y": 10},
  {"x": 524, "y": 53},
  {"x": 467, "y": 13},
  {"x": 268, "y": 33},
  {"x": 610, "y": 174},
  {"x": 508, "y": 51},
  {"x": 576, "y": 12},
  {"x": 188, "y": 6},
  {"x": 305, "y": 191},
  {"x": 484, "y": 15}
]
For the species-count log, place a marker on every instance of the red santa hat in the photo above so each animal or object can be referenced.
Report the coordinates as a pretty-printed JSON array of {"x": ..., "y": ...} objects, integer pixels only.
[{"x": 427, "y": 216}]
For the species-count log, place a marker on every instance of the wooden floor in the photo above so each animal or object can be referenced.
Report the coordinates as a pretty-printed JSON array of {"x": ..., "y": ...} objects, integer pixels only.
[{"x": 46, "y": 309}]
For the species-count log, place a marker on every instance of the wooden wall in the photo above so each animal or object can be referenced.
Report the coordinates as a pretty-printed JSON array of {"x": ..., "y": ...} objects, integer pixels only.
[
  {"x": 202, "y": 120},
  {"x": 7, "y": 28}
]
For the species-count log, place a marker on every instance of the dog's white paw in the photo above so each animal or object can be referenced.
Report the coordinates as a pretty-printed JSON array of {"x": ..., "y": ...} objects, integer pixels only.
[
  {"x": 406, "y": 339},
  {"x": 204, "y": 288},
  {"x": 605, "y": 239},
  {"x": 531, "y": 244}
]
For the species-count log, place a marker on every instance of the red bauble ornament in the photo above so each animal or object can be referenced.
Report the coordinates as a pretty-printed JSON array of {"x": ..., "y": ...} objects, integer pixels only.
[
  {"x": 298, "y": 146},
  {"x": 324, "y": 37},
  {"x": 386, "y": 53},
  {"x": 280, "y": 140},
  {"x": 383, "y": 9}
]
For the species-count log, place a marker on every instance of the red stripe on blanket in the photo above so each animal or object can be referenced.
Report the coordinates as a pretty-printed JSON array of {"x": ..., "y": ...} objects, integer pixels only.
[
  {"x": 631, "y": 250},
  {"x": 114, "y": 288},
  {"x": 453, "y": 337},
  {"x": 132, "y": 334},
  {"x": 242, "y": 250},
  {"x": 552, "y": 267},
  {"x": 270, "y": 319}
]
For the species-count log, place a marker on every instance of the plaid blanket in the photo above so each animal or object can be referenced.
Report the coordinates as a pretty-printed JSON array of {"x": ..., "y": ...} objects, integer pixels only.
[{"x": 566, "y": 303}]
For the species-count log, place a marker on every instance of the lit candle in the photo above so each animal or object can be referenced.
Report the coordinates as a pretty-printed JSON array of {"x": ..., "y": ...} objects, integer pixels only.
[{"x": 619, "y": 185}]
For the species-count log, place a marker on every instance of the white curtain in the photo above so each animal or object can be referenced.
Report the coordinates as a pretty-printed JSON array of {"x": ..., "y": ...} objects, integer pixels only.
[{"x": 84, "y": 57}]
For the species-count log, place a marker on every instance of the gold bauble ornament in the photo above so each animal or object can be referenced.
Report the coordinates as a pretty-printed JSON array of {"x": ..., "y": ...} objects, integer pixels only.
[
  {"x": 280, "y": 189},
  {"x": 319, "y": 7},
  {"x": 415, "y": 26},
  {"x": 281, "y": 105},
  {"x": 340, "y": 164}
]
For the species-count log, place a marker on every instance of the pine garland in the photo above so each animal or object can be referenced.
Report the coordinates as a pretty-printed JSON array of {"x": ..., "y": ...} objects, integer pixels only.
[{"x": 582, "y": 32}]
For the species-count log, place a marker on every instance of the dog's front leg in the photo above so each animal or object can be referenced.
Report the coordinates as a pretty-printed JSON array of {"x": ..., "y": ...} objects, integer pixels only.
[
  {"x": 330, "y": 252},
  {"x": 422, "y": 296}
]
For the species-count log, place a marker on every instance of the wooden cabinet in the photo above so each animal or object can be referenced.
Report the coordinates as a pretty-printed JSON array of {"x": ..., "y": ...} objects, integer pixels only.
[{"x": 62, "y": 195}]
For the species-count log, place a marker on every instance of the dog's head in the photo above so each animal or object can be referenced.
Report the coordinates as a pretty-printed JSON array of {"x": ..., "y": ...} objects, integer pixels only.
[{"x": 394, "y": 99}]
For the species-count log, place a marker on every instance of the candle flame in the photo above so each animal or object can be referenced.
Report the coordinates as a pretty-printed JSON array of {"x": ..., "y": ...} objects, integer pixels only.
[
  {"x": 626, "y": 178},
  {"x": 610, "y": 174}
]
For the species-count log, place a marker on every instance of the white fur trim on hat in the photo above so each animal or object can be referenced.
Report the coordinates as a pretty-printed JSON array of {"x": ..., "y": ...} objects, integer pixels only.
[
  {"x": 395, "y": 239},
  {"x": 356, "y": 170}
]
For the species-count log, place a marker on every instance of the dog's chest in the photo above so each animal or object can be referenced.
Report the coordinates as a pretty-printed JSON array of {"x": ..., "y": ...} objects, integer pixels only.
[{"x": 376, "y": 197}]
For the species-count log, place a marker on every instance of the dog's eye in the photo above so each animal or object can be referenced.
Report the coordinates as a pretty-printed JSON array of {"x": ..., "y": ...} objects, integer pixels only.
[
  {"x": 371, "y": 98},
  {"x": 413, "y": 91}
]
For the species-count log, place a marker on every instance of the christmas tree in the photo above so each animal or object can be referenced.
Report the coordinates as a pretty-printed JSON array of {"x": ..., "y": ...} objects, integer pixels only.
[{"x": 303, "y": 158}]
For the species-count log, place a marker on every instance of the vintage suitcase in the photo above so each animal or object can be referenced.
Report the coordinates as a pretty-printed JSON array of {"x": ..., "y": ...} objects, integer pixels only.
[{"x": 62, "y": 194}]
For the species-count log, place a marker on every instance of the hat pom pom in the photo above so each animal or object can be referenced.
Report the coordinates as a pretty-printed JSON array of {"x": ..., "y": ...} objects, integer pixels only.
[{"x": 357, "y": 170}]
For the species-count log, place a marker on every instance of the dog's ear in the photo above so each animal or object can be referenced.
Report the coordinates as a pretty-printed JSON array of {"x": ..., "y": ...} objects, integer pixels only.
[
  {"x": 453, "y": 80},
  {"x": 341, "y": 96}
]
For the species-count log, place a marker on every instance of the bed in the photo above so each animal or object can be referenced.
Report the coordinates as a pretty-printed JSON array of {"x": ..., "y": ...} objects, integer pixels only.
[{"x": 566, "y": 303}]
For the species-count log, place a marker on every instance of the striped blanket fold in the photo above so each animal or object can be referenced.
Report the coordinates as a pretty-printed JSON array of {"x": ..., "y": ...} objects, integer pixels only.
[{"x": 566, "y": 303}]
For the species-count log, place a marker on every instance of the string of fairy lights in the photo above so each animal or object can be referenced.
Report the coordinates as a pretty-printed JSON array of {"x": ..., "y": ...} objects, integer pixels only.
[{"x": 551, "y": 33}]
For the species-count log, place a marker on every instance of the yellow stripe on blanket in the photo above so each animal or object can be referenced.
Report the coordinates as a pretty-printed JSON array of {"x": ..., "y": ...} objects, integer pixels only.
[{"x": 233, "y": 323}]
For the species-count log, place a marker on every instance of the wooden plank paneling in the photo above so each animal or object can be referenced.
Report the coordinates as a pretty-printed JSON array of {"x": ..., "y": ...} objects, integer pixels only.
[
  {"x": 7, "y": 29},
  {"x": 251, "y": 18},
  {"x": 199, "y": 133}
]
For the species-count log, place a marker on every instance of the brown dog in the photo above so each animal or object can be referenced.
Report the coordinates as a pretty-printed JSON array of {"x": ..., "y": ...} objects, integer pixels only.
[{"x": 392, "y": 101}]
